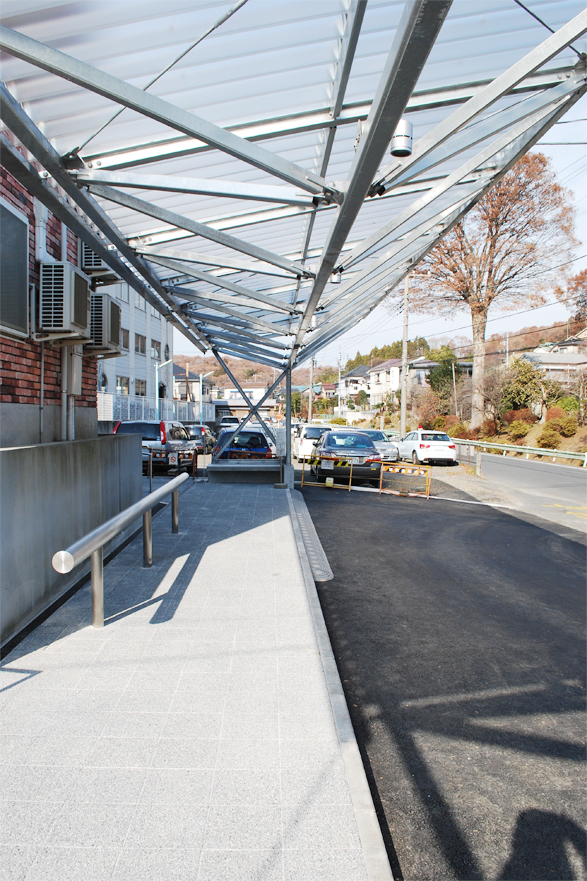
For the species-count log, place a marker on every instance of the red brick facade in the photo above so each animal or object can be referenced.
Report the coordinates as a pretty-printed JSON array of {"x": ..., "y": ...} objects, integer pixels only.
[{"x": 20, "y": 360}]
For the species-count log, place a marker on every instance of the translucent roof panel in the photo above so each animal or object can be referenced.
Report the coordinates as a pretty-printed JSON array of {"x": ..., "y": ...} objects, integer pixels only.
[{"x": 232, "y": 161}]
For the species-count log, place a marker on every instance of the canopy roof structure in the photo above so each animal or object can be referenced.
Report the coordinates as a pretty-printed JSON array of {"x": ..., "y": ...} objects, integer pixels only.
[{"x": 232, "y": 163}]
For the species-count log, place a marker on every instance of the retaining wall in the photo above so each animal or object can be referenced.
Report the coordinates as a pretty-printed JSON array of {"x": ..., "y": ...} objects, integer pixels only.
[{"x": 53, "y": 494}]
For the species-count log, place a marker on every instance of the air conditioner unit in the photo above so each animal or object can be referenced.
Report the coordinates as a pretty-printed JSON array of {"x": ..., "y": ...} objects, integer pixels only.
[
  {"x": 90, "y": 262},
  {"x": 64, "y": 301},
  {"x": 104, "y": 326}
]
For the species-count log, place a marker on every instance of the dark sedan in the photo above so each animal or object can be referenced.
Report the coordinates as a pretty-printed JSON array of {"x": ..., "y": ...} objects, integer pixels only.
[
  {"x": 250, "y": 443},
  {"x": 336, "y": 450}
]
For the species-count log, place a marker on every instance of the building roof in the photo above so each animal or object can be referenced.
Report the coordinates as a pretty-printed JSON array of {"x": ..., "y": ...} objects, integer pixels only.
[
  {"x": 360, "y": 372},
  {"x": 385, "y": 365},
  {"x": 179, "y": 375},
  {"x": 234, "y": 163}
]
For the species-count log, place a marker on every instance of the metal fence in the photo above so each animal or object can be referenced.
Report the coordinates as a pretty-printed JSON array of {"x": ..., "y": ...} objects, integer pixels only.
[
  {"x": 467, "y": 450},
  {"x": 124, "y": 408}
]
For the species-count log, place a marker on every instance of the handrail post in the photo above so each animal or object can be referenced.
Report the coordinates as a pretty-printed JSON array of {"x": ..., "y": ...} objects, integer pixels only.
[
  {"x": 175, "y": 512},
  {"x": 97, "y": 569},
  {"x": 147, "y": 539},
  {"x": 150, "y": 471}
]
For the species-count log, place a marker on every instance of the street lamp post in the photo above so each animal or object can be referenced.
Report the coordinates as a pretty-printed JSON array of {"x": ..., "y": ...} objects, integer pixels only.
[
  {"x": 202, "y": 378},
  {"x": 157, "y": 369}
]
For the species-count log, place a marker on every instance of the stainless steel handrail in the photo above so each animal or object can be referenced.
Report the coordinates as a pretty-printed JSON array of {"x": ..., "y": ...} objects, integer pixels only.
[{"x": 91, "y": 544}]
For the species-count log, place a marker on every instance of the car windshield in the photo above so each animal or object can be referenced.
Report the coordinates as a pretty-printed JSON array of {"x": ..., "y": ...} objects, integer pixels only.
[
  {"x": 148, "y": 430},
  {"x": 435, "y": 436},
  {"x": 359, "y": 441},
  {"x": 250, "y": 439},
  {"x": 314, "y": 433},
  {"x": 376, "y": 435}
]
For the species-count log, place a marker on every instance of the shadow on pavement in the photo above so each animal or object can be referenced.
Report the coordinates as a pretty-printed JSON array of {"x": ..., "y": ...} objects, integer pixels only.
[{"x": 459, "y": 635}]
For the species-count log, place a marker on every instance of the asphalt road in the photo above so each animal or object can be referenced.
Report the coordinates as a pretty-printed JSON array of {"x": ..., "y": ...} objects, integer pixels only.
[
  {"x": 565, "y": 482},
  {"x": 459, "y": 632}
]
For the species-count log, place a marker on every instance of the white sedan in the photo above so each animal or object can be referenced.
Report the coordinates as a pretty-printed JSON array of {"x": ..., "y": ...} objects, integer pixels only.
[{"x": 427, "y": 446}]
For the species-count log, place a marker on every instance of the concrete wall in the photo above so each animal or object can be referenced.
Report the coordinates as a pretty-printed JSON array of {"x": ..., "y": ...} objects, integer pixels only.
[
  {"x": 53, "y": 494},
  {"x": 20, "y": 424}
]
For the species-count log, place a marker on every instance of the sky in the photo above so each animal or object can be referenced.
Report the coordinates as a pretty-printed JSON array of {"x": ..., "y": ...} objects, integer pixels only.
[{"x": 382, "y": 326}]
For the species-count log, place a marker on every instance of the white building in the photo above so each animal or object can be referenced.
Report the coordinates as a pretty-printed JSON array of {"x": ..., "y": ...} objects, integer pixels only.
[
  {"x": 126, "y": 383},
  {"x": 384, "y": 379},
  {"x": 353, "y": 382}
]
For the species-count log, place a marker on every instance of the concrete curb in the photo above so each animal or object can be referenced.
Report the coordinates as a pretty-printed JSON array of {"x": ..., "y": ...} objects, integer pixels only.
[{"x": 373, "y": 847}]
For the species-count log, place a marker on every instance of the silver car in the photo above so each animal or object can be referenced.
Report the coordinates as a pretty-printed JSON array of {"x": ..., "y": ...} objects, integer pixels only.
[{"x": 389, "y": 451}]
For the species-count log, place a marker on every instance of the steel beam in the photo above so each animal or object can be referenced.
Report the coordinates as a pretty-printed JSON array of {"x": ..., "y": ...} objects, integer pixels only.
[
  {"x": 216, "y": 260},
  {"x": 200, "y": 187},
  {"x": 194, "y": 227},
  {"x": 33, "y": 139},
  {"x": 248, "y": 354},
  {"x": 416, "y": 33},
  {"x": 499, "y": 87},
  {"x": 88, "y": 77},
  {"x": 253, "y": 408},
  {"x": 249, "y": 320},
  {"x": 180, "y": 290},
  {"x": 262, "y": 342},
  {"x": 315, "y": 119},
  {"x": 239, "y": 290}
]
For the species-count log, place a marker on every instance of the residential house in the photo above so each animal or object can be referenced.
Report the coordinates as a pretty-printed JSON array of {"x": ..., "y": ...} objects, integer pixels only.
[
  {"x": 353, "y": 382},
  {"x": 419, "y": 369},
  {"x": 384, "y": 380},
  {"x": 328, "y": 390}
]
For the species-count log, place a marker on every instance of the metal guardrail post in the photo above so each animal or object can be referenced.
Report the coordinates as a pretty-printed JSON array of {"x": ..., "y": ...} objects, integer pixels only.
[
  {"x": 147, "y": 539},
  {"x": 150, "y": 471},
  {"x": 175, "y": 512},
  {"x": 97, "y": 569}
]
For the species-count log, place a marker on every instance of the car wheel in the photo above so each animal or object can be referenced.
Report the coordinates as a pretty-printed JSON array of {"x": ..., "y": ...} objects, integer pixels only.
[{"x": 415, "y": 459}]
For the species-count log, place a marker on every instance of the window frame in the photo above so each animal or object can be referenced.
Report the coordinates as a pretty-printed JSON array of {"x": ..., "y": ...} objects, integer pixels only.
[
  {"x": 6, "y": 329},
  {"x": 155, "y": 344},
  {"x": 138, "y": 350},
  {"x": 123, "y": 331},
  {"x": 142, "y": 383}
]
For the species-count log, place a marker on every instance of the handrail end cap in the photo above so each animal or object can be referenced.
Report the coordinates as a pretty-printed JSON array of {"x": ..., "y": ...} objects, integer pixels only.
[{"x": 62, "y": 562}]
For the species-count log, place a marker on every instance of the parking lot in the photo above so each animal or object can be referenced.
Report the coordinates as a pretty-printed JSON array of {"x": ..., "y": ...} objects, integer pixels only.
[{"x": 459, "y": 634}]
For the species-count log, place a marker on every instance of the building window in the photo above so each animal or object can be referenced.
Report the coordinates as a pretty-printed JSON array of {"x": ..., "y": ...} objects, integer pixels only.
[
  {"x": 124, "y": 338},
  {"x": 14, "y": 271},
  {"x": 155, "y": 350},
  {"x": 140, "y": 302},
  {"x": 122, "y": 385},
  {"x": 140, "y": 344},
  {"x": 155, "y": 312},
  {"x": 122, "y": 292},
  {"x": 141, "y": 387}
]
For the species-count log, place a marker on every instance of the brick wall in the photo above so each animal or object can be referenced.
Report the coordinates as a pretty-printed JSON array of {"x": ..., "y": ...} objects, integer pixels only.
[{"x": 20, "y": 360}]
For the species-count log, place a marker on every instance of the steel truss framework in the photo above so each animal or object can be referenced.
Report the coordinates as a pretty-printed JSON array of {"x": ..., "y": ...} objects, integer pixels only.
[{"x": 234, "y": 296}]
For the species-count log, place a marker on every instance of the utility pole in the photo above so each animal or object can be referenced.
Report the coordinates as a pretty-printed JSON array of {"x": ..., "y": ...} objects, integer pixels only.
[
  {"x": 454, "y": 385},
  {"x": 404, "y": 387},
  {"x": 339, "y": 382},
  {"x": 311, "y": 390}
]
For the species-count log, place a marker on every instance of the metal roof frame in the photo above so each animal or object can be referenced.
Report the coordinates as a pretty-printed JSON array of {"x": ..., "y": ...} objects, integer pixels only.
[{"x": 222, "y": 298}]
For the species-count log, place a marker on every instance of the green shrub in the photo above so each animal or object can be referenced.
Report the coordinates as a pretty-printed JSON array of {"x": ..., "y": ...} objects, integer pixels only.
[
  {"x": 459, "y": 430},
  {"x": 338, "y": 420},
  {"x": 568, "y": 426},
  {"x": 555, "y": 413},
  {"x": 553, "y": 425},
  {"x": 438, "y": 423},
  {"x": 569, "y": 404},
  {"x": 518, "y": 429},
  {"x": 549, "y": 439}
]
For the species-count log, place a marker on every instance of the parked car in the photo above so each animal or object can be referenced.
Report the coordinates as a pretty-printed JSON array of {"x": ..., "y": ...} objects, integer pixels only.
[
  {"x": 303, "y": 444},
  {"x": 250, "y": 443},
  {"x": 202, "y": 435},
  {"x": 391, "y": 434},
  {"x": 389, "y": 451},
  {"x": 346, "y": 446},
  {"x": 228, "y": 421},
  {"x": 165, "y": 439},
  {"x": 427, "y": 446}
]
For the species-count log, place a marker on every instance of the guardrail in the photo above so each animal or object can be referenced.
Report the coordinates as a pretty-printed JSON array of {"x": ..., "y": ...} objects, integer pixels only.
[
  {"x": 529, "y": 451},
  {"x": 92, "y": 544}
]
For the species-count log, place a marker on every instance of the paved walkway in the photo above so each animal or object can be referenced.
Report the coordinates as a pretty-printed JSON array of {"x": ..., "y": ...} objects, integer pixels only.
[{"x": 193, "y": 737}]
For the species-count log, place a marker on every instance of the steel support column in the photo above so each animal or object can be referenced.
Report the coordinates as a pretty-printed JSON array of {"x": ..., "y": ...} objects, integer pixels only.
[{"x": 288, "y": 416}]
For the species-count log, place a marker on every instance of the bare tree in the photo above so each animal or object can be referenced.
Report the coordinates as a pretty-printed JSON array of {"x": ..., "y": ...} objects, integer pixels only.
[{"x": 503, "y": 252}]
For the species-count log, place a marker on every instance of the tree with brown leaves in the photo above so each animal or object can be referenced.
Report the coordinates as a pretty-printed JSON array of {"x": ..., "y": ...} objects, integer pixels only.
[
  {"x": 575, "y": 296},
  {"x": 503, "y": 252}
]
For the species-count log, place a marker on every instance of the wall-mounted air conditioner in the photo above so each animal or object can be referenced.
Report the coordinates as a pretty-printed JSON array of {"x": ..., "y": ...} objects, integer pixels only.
[
  {"x": 104, "y": 326},
  {"x": 95, "y": 267},
  {"x": 64, "y": 301}
]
